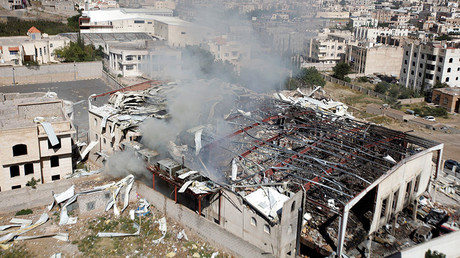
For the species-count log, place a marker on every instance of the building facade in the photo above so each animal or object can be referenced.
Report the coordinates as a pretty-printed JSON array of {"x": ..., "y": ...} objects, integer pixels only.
[
  {"x": 426, "y": 64},
  {"x": 36, "y": 135},
  {"x": 368, "y": 60}
]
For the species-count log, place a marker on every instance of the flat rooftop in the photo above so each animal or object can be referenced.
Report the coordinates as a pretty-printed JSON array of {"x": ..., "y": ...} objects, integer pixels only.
[{"x": 19, "y": 110}]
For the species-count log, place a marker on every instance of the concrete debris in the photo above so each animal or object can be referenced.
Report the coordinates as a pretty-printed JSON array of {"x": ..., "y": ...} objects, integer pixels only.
[
  {"x": 106, "y": 234},
  {"x": 185, "y": 186},
  {"x": 23, "y": 222},
  {"x": 181, "y": 235},
  {"x": 56, "y": 255},
  {"x": 88, "y": 149},
  {"x": 50, "y": 132},
  {"x": 187, "y": 174},
  {"x": 113, "y": 187},
  {"x": 214, "y": 255},
  {"x": 163, "y": 228},
  {"x": 82, "y": 172}
]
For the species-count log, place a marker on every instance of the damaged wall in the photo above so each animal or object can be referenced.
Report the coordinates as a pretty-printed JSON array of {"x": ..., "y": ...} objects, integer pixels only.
[
  {"x": 245, "y": 223},
  {"x": 406, "y": 182},
  {"x": 207, "y": 230}
]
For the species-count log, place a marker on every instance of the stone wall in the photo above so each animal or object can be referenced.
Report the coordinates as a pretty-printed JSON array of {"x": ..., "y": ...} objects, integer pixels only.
[{"x": 50, "y": 73}]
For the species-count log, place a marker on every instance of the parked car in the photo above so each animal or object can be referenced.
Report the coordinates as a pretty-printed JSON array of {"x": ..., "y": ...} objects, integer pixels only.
[
  {"x": 429, "y": 118},
  {"x": 450, "y": 163}
]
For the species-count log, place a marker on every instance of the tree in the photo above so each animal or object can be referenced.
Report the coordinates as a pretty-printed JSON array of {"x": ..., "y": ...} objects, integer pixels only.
[
  {"x": 77, "y": 52},
  {"x": 434, "y": 254},
  {"x": 341, "y": 69},
  {"x": 382, "y": 87},
  {"x": 444, "y": 37},
  {"x": 438, "y": 85},
  {"x": 311, "y": 77}
]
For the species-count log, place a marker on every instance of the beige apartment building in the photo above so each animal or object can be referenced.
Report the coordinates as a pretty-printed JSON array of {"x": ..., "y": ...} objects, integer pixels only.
[{"x": 36, "y": 139}]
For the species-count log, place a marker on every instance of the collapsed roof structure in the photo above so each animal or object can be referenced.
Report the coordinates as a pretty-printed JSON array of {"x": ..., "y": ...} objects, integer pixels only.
[{"x": 282, "y": 163}]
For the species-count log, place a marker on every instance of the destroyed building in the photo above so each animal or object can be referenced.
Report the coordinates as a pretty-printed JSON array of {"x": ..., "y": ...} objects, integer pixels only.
[
  {"x": 35, "y": 131},
  {"x": 281, "y": 176}
]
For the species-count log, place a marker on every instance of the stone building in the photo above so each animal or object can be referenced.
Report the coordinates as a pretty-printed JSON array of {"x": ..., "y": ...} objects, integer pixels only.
[{"x": 35, "y": 132}]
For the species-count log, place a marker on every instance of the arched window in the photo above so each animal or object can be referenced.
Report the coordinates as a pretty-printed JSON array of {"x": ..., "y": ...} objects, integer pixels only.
[
  {"x": 293, "y": 206},
  {"x": 253, "y": 221},
  {"x": 19, "y": 149},
  {"x": 267, "y": 228}
]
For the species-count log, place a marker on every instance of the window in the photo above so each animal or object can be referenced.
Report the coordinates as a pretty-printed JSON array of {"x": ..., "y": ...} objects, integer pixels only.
[
  {"x": 54, "y": 161},
  {"x": 15, "y": 187},
  {"x": 458, "y": 69},
  {"x": 129, "y": 67},
  {"x": 19, "y": 149},
  {"x": 437, "y": 78},
  {"x": 44, "y": 50},
  {"x": 421, "y": 65},
  {"x": 408, "y": 191},
  {"x": 415, "y": 54},
  {"x": 413, "y": 63},
  {"x": 41, "y": 52},
  {"x": 405, "y": 61},
  {"x": 105, "y": 141},
  {"x": 13, "y": 52},
  {"x": 57, "y": 146},
  {"x": 139, "y": 21},
  {"x": 447, "y": 79},
  {"x": 129, "y": 58},
  {"x": 149, "y": 22},
  {"x": 412, "y": 72},
  {"x": 90, "y": 206},
  {"x": 419, "y": 74},
  {"x": 417, "y": 183},
  {"x": 439, "y": 69},
  {"x": 95, "y": 122},
  {"x": 28, "y": 169},
  {"x": 253, "y": 221},
  {"x": 14, "y": 171},
  {"x": 182, "y": 32},
  {"x": 404, "y": 70},
  {"x": 55, "y": 177},
  {"x": 384, "y": 208},
  {"x": 339, "y": 48},
  {"x": 440, "y": 59},
  {"x": 267, "y": 228},
  {"x": 422, "y": 56},
  {"x": 395, "y": 200},
  {"x": 96, "y": 136},
  {"x": 407, "y": 53},
  {"x": 51, "y": 45},
  {"x": 451, "y": 60},
  {"x": 448, "y": 70}
]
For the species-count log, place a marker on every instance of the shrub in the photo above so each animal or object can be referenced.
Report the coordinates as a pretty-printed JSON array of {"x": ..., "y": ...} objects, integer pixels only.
[{"x": 24, "y": 212}]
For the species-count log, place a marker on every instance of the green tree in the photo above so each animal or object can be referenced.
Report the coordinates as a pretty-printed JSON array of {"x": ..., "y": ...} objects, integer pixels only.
[
  {"x": 311, "y": 77},
  {"x": 341, "y": 69},
  {"x": 382, "y": 87},
  {"x": 77, "y": 52},
  {"x": 434, "y": 254},
  {"x": 438, "y": 85},
  {"x": 73, "y": 22},
  {"x": 444, "y": 37}
]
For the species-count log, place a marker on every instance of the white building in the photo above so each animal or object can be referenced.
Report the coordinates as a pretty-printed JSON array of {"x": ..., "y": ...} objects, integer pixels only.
[
  {"x": 130, "y": 59},
  {"x": 425, "y": 64},
  {"x": 176, "y": 32},
  {"x": 328, "y": 47},
  {"x": 364, "y": 21},
  {"x": 370, "y": 34},
  {"x": 36, "y": 47}
]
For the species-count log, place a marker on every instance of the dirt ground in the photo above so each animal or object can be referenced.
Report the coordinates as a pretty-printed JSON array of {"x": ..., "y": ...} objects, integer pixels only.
[
  {"x": 359, "y": 101},
  {"x": 84, "y": 243}
]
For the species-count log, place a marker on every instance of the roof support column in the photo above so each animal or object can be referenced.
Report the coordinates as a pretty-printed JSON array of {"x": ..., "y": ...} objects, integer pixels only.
[{"x": 342, "y": 231}]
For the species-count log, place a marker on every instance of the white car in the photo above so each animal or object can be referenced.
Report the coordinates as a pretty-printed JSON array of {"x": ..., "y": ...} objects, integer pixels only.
[{"x": 429, "y": 118}]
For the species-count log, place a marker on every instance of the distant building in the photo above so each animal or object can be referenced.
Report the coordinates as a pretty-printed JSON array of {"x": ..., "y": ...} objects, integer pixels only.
[
  {"x": 157, "y": 23},
  {"x": 425, "y": 64},
  {"x": 377, "y": 59},
  {"x": 138, "y": 58},
  {"x": 448, "y": 98},
  {"x": 35, "y": 132},
  {"x": 328, "y": 47},
  {"x": 36, "y": 47},
  {"x": 364, "y": 21}
]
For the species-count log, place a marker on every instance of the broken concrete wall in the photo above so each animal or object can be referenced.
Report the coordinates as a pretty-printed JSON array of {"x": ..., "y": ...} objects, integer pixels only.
[
  {"x": 206, "y": 229},
  {"x": 403, "y": 185},
  {"x": 97, "y": 201},
  {"x": 27, "y": 198}
]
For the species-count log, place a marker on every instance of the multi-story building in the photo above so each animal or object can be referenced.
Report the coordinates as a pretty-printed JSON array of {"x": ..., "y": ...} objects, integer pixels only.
[
  {"x": 138, "y": 58},
  {"x": 370, "y": 34},
  {"x": 35, "y": 132},
  {"x": 328, "y": 48},
  {"x": 426, "y": 64},
  {"x": 383, "y": 15},
  {"x": 368, "y": 60},
  {"x": 36, "y": 47},
  {"x": 364, "y": 21}
]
